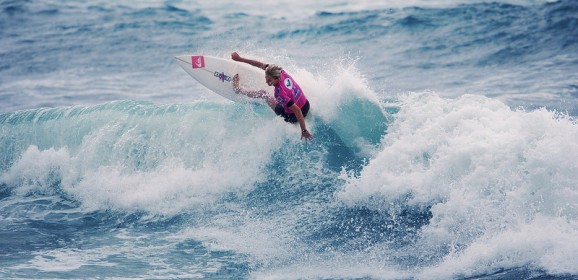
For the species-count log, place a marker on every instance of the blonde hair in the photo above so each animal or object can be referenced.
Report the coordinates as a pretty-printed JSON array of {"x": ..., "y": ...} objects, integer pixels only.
[{"x": 273, "y": 71}]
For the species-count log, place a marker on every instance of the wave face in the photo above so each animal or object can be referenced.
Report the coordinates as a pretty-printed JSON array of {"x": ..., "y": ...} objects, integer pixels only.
[{"x": 445, "y": 140}]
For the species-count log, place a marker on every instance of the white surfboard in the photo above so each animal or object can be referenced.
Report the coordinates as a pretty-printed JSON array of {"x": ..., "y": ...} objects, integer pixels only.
[{"x": 217, "y": 75}]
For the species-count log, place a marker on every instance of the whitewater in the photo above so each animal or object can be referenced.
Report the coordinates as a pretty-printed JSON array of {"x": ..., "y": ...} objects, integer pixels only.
[{"x": 445, "y": 141}]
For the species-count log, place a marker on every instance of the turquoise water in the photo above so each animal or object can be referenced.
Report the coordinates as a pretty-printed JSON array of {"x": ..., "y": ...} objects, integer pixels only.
[{"x": 444, "y": 142}]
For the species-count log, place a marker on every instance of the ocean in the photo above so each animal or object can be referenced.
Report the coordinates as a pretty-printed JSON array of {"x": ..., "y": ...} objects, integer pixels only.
[{"x": 445, "y": 141}]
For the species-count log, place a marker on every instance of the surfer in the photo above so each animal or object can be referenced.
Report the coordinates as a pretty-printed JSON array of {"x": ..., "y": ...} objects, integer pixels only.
[{"x": 289, "y": 101}]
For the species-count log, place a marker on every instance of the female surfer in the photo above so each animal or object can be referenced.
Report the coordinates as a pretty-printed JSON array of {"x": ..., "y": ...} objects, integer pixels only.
[{"x": 289, "y": 101}]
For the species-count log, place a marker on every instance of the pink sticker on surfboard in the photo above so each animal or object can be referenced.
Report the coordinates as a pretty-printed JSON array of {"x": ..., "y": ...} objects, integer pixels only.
[{"x": 198, "y": 61}]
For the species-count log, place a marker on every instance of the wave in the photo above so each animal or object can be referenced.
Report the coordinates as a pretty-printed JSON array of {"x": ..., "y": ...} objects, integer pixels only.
[
  {"x": 120, "y": 154},
  {"x": 445, "y": 180},
  {"x": 498, "y": 183},
  {"x": 197, "y": 152},
  {"x": 417, "y": 181}
]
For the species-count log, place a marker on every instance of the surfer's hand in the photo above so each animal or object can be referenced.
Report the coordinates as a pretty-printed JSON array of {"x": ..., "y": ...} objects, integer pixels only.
[
  {"x": 235, "y": 56},
  {"x": 305, "y": 134}
]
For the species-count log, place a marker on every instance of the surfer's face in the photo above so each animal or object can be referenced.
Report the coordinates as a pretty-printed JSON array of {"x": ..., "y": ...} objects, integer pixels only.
[{"x": 270, "y": 80}]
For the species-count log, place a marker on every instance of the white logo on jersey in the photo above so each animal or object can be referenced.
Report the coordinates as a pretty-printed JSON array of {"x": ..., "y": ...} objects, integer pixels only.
[{"x": 288, "y": 83}]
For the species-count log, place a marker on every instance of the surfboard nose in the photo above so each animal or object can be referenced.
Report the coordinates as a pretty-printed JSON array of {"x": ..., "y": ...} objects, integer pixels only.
[{"x": 183, "y": 58}]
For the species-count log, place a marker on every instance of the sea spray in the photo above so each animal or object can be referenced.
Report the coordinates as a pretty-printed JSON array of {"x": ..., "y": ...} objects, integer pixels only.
[{"x": 486, "y": 172}]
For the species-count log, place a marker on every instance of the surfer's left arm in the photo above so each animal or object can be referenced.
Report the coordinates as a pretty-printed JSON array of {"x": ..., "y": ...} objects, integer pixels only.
[
  {"x": 304, "y": 132},
  {"x": 250, "y": 93},
  {"x": 238, "y": 89}
]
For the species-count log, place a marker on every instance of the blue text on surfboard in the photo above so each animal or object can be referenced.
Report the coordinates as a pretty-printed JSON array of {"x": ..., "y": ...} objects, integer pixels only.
[{"x": 222, "y": 76}]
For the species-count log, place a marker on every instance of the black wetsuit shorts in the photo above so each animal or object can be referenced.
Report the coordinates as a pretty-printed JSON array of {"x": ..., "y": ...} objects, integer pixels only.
[{"x": 291, "y": 118}]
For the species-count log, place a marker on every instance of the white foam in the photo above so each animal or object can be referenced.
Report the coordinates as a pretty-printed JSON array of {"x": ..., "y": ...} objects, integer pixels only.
[
  {"x": 341, "y": 97},
  {"x": 337, "y": 85},
  {"x": 446, "y": 142},
  {"x": 67, "y": 260},
  {"x": 113, "y": 256},
  {"x": 546, "y": 243},
  {"x": 148, "y": 157},
  {"x": 489, "y": 174}
]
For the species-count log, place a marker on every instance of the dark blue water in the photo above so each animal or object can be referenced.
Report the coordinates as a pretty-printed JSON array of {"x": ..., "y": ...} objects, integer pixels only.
[{"x": 445, "y": 142}]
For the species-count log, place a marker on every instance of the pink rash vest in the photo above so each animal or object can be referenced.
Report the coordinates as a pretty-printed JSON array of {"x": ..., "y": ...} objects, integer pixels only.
[{"x": 288, "y": 92}]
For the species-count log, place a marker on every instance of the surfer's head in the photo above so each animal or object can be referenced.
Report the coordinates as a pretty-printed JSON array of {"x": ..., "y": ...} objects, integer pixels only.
[{"x": 272, "y": 74}]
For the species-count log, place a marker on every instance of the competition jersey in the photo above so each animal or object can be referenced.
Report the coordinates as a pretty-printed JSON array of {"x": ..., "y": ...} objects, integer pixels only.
[{"x": 287, "y": 92}]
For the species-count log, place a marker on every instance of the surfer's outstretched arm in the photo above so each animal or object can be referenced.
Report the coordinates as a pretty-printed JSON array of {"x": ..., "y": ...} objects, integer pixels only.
[{"x": 236, "y": 57}]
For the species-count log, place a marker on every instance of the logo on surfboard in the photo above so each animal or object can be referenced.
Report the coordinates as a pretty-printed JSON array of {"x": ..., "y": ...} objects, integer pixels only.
[
  {"x": 222, "y": 76},
  {"x": 198, "y": 61}
]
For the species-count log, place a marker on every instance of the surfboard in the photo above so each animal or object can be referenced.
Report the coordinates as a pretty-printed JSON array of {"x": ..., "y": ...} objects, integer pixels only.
[{"x": 217, "y": 75}]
